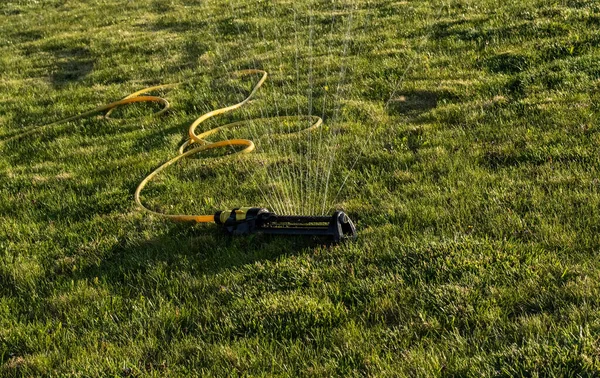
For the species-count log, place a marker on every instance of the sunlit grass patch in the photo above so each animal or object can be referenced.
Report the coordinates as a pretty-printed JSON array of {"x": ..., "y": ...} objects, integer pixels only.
[{"x": 461, "y": 137}]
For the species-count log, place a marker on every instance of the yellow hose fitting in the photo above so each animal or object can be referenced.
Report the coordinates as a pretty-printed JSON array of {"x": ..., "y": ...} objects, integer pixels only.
[{"x": 237, "y": 214}]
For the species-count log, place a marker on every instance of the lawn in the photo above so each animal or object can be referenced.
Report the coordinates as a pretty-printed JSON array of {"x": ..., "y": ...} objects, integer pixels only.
[{"x": 461, "y": 136}]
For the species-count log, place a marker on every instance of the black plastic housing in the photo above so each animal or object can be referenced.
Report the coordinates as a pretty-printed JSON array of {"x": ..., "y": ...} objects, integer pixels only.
[{"x": 338, "y": 226}]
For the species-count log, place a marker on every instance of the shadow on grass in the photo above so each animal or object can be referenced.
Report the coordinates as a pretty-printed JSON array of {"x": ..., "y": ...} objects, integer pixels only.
[
  {"x": 73, "y": 64},
  {"x": 199, "y": 250},
  {"x": 414, "y": 102}
]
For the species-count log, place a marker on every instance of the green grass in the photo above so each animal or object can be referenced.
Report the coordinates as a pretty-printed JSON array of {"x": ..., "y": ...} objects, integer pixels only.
[{"x": 468, "y": 133}]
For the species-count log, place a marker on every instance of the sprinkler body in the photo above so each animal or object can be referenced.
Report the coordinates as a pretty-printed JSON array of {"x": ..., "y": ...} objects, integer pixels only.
[{"x": 247, "y": 220}]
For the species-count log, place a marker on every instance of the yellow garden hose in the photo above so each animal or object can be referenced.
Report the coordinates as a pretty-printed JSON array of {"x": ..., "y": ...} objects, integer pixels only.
[{"x": 194, "y": 138}]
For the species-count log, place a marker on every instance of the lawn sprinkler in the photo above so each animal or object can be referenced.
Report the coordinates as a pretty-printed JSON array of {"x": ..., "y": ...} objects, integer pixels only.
[
  {"x": 239, "y": 221},
  {"x": 248, "y": 220}
]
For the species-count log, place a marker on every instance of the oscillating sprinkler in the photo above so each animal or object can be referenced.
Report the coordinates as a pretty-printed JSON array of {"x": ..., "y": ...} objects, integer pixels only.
[
  {"x": 245, "y": 220},
  {"x": 248, "y": 220},
  {"x": 238, "y": 221}
]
